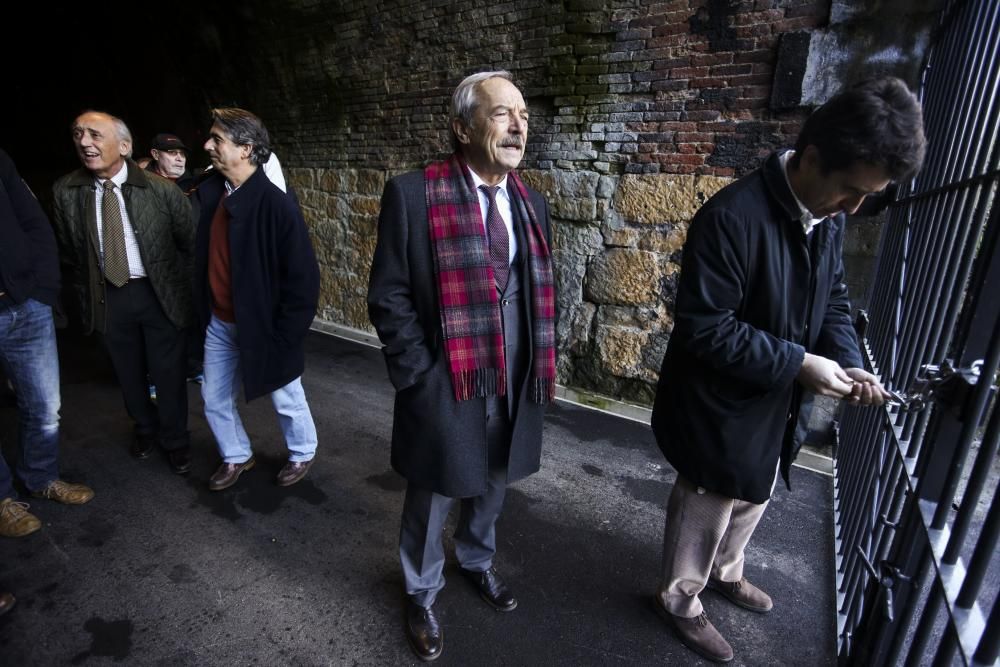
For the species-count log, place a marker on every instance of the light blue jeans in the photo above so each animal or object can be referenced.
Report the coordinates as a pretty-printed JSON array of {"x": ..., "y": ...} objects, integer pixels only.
[
  {"x": 31, "y": 362},
  {"x": 221, "y": 389}
]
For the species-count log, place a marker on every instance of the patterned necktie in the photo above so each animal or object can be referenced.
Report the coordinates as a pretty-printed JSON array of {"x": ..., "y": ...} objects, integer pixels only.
[
  {"x": 113, "y": 233},
  {"x": 499, "y": 240}
]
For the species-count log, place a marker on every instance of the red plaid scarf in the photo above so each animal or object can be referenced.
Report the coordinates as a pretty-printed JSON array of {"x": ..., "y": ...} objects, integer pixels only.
[{"x": 470, "y": 315}]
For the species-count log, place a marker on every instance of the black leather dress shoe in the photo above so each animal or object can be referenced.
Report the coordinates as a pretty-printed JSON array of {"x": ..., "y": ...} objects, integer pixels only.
[
  {"x": 492, "y": 589},
  {"x": 143, "y": 446},
  {"x": 423, "y": 631},
  {"x": 180, "y": 460}
]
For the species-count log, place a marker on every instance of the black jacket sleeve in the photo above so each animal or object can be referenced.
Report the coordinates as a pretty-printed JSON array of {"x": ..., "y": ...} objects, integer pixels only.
[{"x": 715, "y": 267}]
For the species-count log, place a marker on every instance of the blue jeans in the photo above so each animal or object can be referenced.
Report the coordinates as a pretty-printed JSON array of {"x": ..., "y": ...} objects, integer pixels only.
[
  {"x": 29, "y": 357},
  {"x": 221, "y": 389}
]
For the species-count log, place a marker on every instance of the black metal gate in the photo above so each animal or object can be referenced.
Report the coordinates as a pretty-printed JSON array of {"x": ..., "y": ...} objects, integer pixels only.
[{"x": 916, "y": 506}]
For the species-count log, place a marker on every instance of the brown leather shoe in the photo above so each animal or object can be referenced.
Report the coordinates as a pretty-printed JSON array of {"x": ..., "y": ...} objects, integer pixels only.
[
  {"x": 65, "y": 493},
  {"x": 16, "y": 520},
  {"x": 743, "y": 593},
  {"x": 697, "y": 633},
  {"x": 492, "y": 588},
  {"x": 423, "y": 631},
  {"x": 7, "y": 602},
  {"x": 293, "y": 472},
  {"x": 228, "y": 473}
]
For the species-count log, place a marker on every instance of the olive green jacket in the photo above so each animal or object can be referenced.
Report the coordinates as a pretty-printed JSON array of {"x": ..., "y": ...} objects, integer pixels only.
[{"x": 164, "y": 230}]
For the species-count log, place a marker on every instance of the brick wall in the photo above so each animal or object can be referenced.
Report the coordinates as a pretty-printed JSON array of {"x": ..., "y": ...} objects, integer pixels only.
[{"x": 639, "y": 112}]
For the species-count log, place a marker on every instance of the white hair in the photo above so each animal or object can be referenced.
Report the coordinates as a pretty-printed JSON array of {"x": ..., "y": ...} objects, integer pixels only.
[{"x": 465, "y": 100}]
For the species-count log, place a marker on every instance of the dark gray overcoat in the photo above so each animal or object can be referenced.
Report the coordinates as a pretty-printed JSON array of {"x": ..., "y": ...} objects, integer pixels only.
[{"x": 438, "y": 443}]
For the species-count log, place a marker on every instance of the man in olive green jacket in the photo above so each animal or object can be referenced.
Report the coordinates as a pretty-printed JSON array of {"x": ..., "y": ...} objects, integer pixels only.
[{"x": 126, "y": 239}]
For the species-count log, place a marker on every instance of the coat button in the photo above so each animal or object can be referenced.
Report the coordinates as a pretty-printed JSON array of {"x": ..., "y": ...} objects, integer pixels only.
[{"x": 504, "y": 303}]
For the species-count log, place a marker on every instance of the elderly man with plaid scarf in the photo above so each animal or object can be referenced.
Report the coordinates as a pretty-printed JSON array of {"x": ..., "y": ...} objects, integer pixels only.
[{"x": 462, "y": 296}]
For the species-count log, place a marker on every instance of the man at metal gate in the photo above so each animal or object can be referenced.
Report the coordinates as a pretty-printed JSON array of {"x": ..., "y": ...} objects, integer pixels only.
[
  {"x": 762, "y": 322},
  {"x": 462, "y": 295}
]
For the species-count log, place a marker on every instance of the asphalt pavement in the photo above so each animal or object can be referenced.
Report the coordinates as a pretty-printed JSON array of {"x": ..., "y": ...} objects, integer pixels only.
[{"x": 158, "y": 570}]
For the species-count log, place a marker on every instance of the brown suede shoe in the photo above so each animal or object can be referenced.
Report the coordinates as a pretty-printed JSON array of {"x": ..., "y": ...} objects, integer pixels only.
[
  {"x": 228, "y": 473},
  {"x": 293, "y": 472},
  {"x": 65, "y": 493},
  {"x": 697, "y": 633},
  {"x": 16, "y": 520},
  {"x": 6, "y": 602},
  {"x": 743, "y": 593}
]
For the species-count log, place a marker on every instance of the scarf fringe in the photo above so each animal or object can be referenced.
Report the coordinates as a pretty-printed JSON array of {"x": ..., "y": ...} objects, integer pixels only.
[
  {"x": 478, "y": 383},
  {"x": 543, "y": 390}
]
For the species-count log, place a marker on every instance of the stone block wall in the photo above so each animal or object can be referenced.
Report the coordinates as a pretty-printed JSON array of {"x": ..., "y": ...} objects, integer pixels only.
[{"x": 640, "y": 111}]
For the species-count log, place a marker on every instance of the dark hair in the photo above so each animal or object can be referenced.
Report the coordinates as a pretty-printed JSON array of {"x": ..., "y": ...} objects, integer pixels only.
[
  {"x": 877, "y": 121},
  {"x": 245, "y": 129}
]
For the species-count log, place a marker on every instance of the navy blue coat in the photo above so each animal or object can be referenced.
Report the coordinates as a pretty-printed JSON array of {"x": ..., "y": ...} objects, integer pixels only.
[
  {"x": 29, "y": 261},
  {"x": 275, "y": 278},
  {"x": 755, "y": 294}
]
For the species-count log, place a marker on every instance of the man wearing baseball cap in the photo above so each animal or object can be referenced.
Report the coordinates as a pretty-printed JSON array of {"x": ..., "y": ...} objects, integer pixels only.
[{"x": 170, "y": 160}]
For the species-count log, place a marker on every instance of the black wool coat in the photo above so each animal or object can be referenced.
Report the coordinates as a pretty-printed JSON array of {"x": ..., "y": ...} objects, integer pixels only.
[
  {"x": 755, "y": 294},
  {"x": 438, "y": 443},
  {"x": 275, "y": 278}
]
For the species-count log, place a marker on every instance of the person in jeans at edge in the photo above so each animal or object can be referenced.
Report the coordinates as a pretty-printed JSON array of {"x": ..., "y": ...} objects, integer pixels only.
[{"x": 29, "y": 287}]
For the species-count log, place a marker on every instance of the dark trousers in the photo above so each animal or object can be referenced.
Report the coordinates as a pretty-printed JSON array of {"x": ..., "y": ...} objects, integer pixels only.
[
  {"x": 141, "y": 340},
  {"x": 421, "y": 549}
]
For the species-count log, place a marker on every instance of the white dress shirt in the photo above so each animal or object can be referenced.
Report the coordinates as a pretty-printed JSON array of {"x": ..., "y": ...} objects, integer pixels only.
[
  {"x": 805, "y": 215},
  {"x": 135, "y": 267},
  {"x": 503, "y": 204}
]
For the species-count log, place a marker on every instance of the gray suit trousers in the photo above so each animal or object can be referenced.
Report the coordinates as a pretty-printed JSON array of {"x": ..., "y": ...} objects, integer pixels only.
[{"x": 421, "y": 547}]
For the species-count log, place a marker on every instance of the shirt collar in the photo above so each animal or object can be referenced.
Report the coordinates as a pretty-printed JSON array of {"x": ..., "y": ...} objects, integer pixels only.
[
  {"x": 117, "y": 179},
  {"x": 806, "y": 218},
  {"x": 478, "y": 181}
]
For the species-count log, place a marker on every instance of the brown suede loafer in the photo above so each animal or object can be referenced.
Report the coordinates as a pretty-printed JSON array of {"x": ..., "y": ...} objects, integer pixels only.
[
  {"x": 228, "y": 473},
  {"x": 293, "y": 471},
  {"x": 743, "y": 593},
  {"x": 423, "y": 631},
  {"x": 65, "y": 493},
  {"x": 697, "y": 633},
  {"x": 16, "y": 520}
]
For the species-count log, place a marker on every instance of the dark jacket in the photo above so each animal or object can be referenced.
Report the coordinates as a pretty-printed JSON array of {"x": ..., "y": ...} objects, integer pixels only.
[
  {"x": 161, "y": 217},
  {"x": 29, "y": 261},
  {"x": 438, "y": 443},
  {"x": 755, "y": 294},
  {"x": 275, "y": 278}
]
